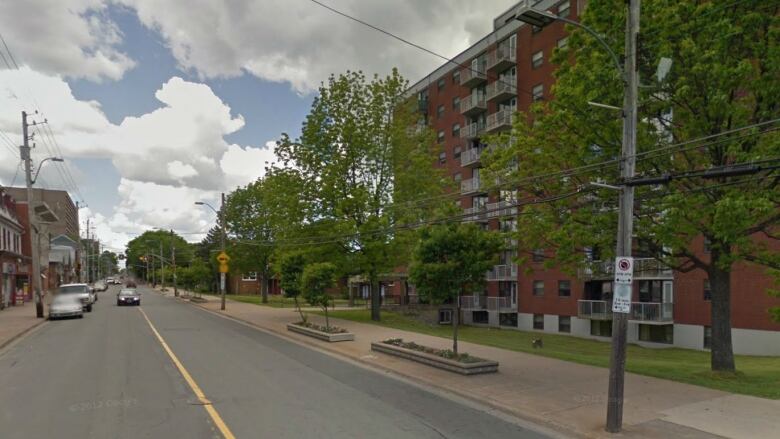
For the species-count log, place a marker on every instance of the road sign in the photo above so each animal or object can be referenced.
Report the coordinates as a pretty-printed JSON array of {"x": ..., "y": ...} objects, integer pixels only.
[
  {"x": 223, "y": 258},
  {"x": 621, "y": 302},
  {"x": 624, "y": 270},
  {"x": 223, "y": 268}
]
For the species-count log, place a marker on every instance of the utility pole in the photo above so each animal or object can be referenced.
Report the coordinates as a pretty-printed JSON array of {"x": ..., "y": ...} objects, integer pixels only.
[
  {"x": 35, "y": 273},
  {"x": 173, "y": 263},
  {"x": 222, "y": 226},
  {"x": 617, "y": 363},
  {"x": 89, "y": 244},
  {"x": 162, "y": 269}
]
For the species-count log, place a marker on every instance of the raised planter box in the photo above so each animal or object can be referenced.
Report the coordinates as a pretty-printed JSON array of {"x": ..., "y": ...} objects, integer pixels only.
[
  {"x": 198, "y": 299},
  {"x": 343, "y": 336},
  {"x": 436, "y": 361}
]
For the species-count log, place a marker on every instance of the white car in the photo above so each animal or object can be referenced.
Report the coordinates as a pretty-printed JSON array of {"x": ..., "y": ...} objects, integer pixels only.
[
  {"x": 65, "y": 305},
  {"x": 81, "y": 291}
]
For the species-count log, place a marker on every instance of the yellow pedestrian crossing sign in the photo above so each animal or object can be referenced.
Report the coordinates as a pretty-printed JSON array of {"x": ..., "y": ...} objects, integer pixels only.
[{"x": 223, "y": 260}]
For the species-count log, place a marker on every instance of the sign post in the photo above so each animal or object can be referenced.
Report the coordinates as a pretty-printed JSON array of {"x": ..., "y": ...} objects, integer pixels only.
[{"x": 223, "y": 260}]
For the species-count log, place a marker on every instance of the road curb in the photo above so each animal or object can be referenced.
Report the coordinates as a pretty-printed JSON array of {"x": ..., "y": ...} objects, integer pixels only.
[
  {"x": 21, "y": 334},
  {"x": 538, "y": 421}
]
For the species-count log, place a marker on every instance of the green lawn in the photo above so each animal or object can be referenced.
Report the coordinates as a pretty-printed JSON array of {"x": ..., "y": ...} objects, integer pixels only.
[
  {"x": 277, "y": 301},
  {"x": 757, "y": 376}
]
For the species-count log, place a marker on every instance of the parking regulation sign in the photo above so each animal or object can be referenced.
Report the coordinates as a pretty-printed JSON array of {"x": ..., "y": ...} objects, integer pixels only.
[
  {"x": 624, "y": 270},
  {"x": 621, "y": 302}
]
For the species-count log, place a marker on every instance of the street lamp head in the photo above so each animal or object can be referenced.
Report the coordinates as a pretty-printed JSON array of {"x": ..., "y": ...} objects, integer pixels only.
[
  {"x": 199, "y": 203},
  {"x": 527, "y": 14},
  {"x": 57, "y": 159}
]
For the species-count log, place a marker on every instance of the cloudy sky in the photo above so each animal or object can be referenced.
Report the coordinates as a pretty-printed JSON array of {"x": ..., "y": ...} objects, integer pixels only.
[{"x": 156, "y": 104}]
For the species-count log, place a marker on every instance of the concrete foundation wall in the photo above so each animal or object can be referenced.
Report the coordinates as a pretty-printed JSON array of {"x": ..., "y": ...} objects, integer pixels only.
[
  {"x": 689, "y": 336},
  {"x": 551, "y": 323},
  {"x": 525, "y": 321},
  {"x": 755, "y": 342}
]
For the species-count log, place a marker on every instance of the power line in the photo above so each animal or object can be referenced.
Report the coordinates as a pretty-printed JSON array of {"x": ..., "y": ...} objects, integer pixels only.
[{"x": 10, "y": 55}]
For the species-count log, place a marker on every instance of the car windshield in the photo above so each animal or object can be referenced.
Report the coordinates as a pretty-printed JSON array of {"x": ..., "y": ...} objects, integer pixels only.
[
  {"x": 128, "y": 293},
  {"x": 72, "y": 289},
  {"x": 64, "y": 300}
]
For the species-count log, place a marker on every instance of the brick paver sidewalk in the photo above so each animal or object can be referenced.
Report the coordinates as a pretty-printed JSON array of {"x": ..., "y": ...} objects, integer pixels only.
[{"x": 566, "y": 396}]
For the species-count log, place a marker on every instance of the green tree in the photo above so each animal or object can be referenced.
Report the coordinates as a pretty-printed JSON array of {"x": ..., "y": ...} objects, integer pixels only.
[
  {"x": 723, "y": 76},
  {"x": 149, "y": 244},
  {"x": 356, "y": 157},
  {"x": 291, "y": 268},
  {"x": 316, "y": 280},
  {"x": 451, "y": 260}
]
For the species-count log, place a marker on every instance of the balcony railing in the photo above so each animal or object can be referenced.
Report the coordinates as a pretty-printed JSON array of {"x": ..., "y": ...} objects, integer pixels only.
[
  {"x": 473, "y": 302},
  {"x": 476, "y": 214},
  {"x": 502, "y": 208},
  {"x": 501, "y": 58},
  {"x": 472, "y": 131},
  {"x": 503, "y": 88},
  {"x": 470, "y": 157},
  {"x": 500, "y": 304},
  {"x": 503, "y": 272},
  {"x": 648, "y": 312},
  {"x": 644, "y": 268},
  {"x": 499, "y": 120},
  {"x": 470, "y": 186},
  {"x": 473, "y": 104},
  {"x": 470, "y": 77}
]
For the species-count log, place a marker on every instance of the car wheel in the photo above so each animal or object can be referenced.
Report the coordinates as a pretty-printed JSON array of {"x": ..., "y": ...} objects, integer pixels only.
[
  {"x": 81, "y": 316},
  {"x": 89, "y": 308},
  {"x": 118, "y": 303}
]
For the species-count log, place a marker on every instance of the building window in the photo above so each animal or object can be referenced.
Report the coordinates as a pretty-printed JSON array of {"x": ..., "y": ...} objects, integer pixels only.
[
  {"x": 442, "y": 157},
  {"x": 456, "y": 103},
  {"x": 538, "y": 321},
  {"x": 440, "y": 136},
  {"x": 537, "y": 93},
  {"x": 707, "y": 290},
  {"x": 456, "y": 130},
  {"x": 441, "y": 83},
  {"x": 538, "y": 288},
  {"x": 537, "y": 59},
  {"x": 480, "y": 317},
  {"x": 456, "y": 150},
  {"x": 564, "y": 324},
  {"x": 508, "y": 319},
  {"x": 657, "y": 333},
  {"x": 538, "y": 255},
  {"x": 564, "y": 288},
  {"x": 445, "y": 316},
  {"x": 457, "y": 177},
  {"x": 707, "y": 244},
  {"x": 563, "y": 42},
  {"x": 439, "y": 111},
  {"x": 250, "y": 276},
  {"x": 564, "y": 9},
  {"x": 535, "y": 29},
  {"x": 456, "y": 77},
  {"x": 601, "y": 328},
  {"x": 707, "y": 337}
]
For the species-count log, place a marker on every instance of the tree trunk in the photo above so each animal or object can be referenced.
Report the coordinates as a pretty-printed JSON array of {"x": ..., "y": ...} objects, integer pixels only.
[
  {"x": 264, "y": 288},
  {"x": 376, "y": 298},
  {"x": 327, "y": 320},
  {"x": 351, "y": 295},
  {"x": 722, "y": 351},
  {"x": 455, "y": 324},
  {"x": 298, "y": 307}
]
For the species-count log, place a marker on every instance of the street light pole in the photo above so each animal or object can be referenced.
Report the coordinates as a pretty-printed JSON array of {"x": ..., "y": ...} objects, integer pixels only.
[
  {"x": 630, "y": 77},
  {"x": 162, "y": 268},
  {"x": 222, "y": 226},
  {"x": 173, "y": 263}
]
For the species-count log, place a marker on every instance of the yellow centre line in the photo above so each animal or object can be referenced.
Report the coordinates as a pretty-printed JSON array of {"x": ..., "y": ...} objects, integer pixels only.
[{"x": 223, "y": 428}]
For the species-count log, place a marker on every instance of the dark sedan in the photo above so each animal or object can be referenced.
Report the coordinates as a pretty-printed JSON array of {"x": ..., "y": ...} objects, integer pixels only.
[{"x": 128, "y": 297}]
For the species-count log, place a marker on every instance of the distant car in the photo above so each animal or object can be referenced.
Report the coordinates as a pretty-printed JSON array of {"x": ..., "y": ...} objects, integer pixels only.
[
  {"x": 80, "y": 291},
  {"x": 130, "y": 284},
  {"x": 128, "y": 296},
  {"x": 100, "y": 286},
  {"x": 65, "y": 305},
  {"x": 109, "y": 281}
]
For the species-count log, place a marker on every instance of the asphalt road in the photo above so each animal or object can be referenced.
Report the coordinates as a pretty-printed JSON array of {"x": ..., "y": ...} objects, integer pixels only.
[{"x": 109, "y": 376}]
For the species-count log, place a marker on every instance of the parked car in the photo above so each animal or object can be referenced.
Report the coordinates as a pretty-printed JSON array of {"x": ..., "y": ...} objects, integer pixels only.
[
  {"x": 100, "y": 286},
  {"x": 130, "y": 284},
  {"x": 82, "y": 292},
  {"x": 65, "y": 305},
  {"x": 109, "y": 281},
  {"x": 128, "y": 296}
]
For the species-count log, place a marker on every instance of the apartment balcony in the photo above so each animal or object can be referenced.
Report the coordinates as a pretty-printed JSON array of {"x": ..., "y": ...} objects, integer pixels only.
[
  {"x": 501, "y": 59},
  {"x": 502, "y": 208},
  {"x": 473, "y": 105},
  {"x": 476, "y": 214},
  {"x": 471, "y": 186},
  {"x": 422, "y": 105},
  {"x": 643, "y": 312},
  {"x": 644, "y": 268},
  {"x": 473, "y": 302},
  {"x": 498, "y": 121},
  {"x": 500, "y": 304},
  {"x": 472, "y": 77},
  {"x": 472, "y": 157},
  {"x": 472, "y": 131},
  {"x": 503, "y": 272},
  {"x": 501, "y": 89}
]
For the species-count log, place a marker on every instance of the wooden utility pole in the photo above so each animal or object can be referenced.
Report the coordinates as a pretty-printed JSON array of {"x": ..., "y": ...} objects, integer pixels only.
[
  {"x": 617, "y": 364},
  {"x": 222, "y": 285},
  {"x": 35, "y": 270},
  {"x": 173, "y": 264}
]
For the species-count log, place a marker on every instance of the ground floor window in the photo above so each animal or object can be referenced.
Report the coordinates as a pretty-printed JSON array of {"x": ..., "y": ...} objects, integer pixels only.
[
  {"x": 601, "y": 328},
  {"x": 657, "y": 333},
  {"x": 479, "y": 317},
  {"x": 508, "y": 319},
  {"x": 445, "y": 316},
  {"x": 538, "y": 321},
  {"x": 250, "y": 276},
  {"x": 707, "y": 337},
  {"x": 564, "y": 324}
]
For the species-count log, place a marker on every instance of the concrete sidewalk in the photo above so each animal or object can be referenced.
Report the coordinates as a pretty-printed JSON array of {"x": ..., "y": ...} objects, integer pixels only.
[
  {"x": 16, "y": 321},
  {"x": 566, "y": 396}
]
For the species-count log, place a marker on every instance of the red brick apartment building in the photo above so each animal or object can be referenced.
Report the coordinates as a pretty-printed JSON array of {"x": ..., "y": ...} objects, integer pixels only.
[{"x": 669, "y": 309}]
